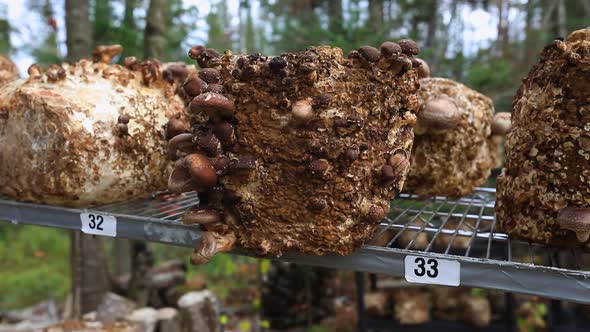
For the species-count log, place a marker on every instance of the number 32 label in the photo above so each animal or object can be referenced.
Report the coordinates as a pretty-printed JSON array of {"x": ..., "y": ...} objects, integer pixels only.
[
  {"x": 99, "y": 224},
  {"x": 425, "y": 270}
]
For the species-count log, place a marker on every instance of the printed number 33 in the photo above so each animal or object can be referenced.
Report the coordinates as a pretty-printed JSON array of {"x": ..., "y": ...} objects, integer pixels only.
[
  {"x": 431, "y": 270},
  {"x": 95, "y": 222}
]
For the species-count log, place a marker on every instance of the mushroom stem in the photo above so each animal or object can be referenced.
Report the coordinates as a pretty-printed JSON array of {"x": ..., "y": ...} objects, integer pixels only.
[
  {"x": 210, "y": 244},
  {"x": 180, "y": 142},
  {"x": 201, "y": 216}
]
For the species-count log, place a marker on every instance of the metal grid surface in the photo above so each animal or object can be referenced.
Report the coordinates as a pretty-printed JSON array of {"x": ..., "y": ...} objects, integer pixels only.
[{"x": 462, "y": 229}]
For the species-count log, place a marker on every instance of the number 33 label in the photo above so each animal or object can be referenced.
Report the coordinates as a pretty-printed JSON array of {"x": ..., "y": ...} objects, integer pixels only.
[
  {"x": 425, "y": 270},
  {"x": 99, "y": 224}
]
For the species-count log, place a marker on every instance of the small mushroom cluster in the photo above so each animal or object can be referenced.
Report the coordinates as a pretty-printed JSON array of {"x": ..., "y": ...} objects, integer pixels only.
[
  {"x": 456, "y": 143},
  {"x": 543, "y": 192},
  {"x": 301, "y": 151}
]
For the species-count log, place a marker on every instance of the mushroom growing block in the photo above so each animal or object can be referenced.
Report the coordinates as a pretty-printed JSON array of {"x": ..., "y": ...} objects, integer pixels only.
[
  {"x": 309, "y": 147},
  {"x": 87, "y": 133},
  {"x": 8, "y": 70},
  {"x": 453, "y": 150},
  {"x": 544, "y": 190}
]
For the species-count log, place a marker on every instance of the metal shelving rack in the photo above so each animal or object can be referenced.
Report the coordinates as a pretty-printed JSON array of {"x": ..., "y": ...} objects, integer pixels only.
[{"x": 489, "y": 259}]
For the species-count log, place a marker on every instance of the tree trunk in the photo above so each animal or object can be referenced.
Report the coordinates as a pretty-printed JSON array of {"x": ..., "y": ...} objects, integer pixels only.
[
  {"x": 4, "y": 34},
  {"x": 503, "y": 35},
  {"x": 432, "y": 23},
  {"x": 122, "y": 254},
  {"x": 294, "y": 295},
  {"x": 561, "y": 20},
  {"x": 89, "y": 270},
  {"x": 78, "y": 29},
  {"x": 336, "y": 18},
  {"x": 376, "y": 16},
  {"x": 155, "y": 30},
  {"x": 90, "y": 280},
  {"x": 128, "y": 19},
  {"x": 528, "y": 52}
]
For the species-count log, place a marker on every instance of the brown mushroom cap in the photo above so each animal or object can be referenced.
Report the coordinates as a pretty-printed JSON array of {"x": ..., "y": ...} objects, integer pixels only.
[
  {"x": 194, "y": 86},
  {"x": 369, "y": 53},
  {"x": 424, "y": 69},
  {"x": 576, "y": 219},
  {"x": 193, "y": 172},
  {"x": 105, "y": 53},
  {"x": 439, "y": 113},
  {"x": 210, "y": 244},
  {"x": 389, "y": 49},
  {"x": 201, "y": 170},
  {"x": 409, "y": 47},
  {"x": 183, "y": 142},
  {"x": 215, "y": 105},
  {"x": 180, "y": 180},
  {"x": 35, "y": 70},
  {"x": 302, "y": 110},
  {"x": 176, "y": 126},
  {"x": 501, "y": 123}
]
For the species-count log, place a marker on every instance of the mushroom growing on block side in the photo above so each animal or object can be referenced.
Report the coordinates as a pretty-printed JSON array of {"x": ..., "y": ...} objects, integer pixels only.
[
  {"x": 305, "y": 148},
  {"x": 454, "y": 150},
  {"x": 577, "y": 220}
]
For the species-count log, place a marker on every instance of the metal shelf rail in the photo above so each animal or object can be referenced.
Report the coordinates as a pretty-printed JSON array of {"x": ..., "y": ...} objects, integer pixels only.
[{"x": 458, "y": 229}]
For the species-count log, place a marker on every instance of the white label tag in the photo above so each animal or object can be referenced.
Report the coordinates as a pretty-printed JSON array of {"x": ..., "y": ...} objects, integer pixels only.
[
  {"x": 426, "y": 270},
  {"x": 99, "y": 224}
]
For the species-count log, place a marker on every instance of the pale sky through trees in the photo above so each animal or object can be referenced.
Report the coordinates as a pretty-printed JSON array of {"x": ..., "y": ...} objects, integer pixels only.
[{"x": 28, "y": 26}]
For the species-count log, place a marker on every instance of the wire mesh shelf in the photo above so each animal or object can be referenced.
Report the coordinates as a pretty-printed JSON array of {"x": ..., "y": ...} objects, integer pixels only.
[{"x": 461, "y": 229}]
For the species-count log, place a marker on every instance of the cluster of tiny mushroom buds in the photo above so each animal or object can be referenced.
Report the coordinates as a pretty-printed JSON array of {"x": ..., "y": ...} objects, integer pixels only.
[
  {"x": 395, "y": 169},
  {"x": 122, "y": 123},
  {"x": 396, "y": 57},
  {"x": 55, "y": 73}
]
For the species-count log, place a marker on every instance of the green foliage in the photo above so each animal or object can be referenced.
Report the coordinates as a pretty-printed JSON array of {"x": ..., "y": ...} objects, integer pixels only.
[
  {"x": 5, "y": 30},
  {"x": 47, "y": 51},
  {"x": 180, "y": 22},
  {"x": 218, "y": 21},
  {"x": 319, "y": 328},
  {"x": 479, "y": 292},
  {"x": 102, "y": 25},
  {"x": 34, "y": 265}
]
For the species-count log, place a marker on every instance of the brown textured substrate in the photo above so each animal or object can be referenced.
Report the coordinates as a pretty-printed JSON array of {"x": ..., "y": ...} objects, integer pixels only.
[
  {"x": 453, "y": 150},
  {"x": 309, "y": 148},
  {"x": 86, "y": 133},
  {"x": 547, "y": 170},
  {"x": 8, "y": 70}
]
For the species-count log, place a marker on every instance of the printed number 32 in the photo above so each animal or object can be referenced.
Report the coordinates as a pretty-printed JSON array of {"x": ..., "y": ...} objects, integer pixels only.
[
  {"x": 95, "y": 222},
  {"x": 431, "y": 271}
]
